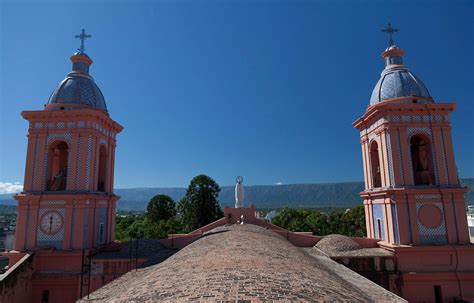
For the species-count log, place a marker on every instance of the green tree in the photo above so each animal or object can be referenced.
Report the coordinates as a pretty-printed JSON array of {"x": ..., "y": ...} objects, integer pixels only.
[
  {"x": 129, "y": 226},
  {"x": 161, "y": 229},
  {"x": 353, "y": 221},
  {"x": 318, "y": 223},
  {"x": 350, "y": 222},
  {"x": 138, "y": 228},
  {"x": 200, "y": 205},
  {"x": 293, "y": 219},
  {"x": 161, "y": 207}
]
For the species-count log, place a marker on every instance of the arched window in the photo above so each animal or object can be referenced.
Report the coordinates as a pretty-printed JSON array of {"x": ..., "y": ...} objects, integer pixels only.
[
  {"x": 102, "y": 178},
  {"x": 375, "y": 165},
  {"x": 57, "y": 166},
  {"x": 422, "y": 160}
]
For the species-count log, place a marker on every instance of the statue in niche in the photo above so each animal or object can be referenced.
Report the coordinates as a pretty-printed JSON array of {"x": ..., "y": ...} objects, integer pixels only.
[
  {"x": 59, "y": 181},
  {"x": 421, "y": 161},
  {"x": 58, "y": 167}
]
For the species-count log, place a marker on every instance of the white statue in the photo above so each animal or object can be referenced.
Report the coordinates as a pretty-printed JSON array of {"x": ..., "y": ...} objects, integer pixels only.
[{"x": 239, "y": 192}]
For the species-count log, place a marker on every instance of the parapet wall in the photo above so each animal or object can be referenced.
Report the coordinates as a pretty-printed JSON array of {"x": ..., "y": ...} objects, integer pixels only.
[
  {"x": 247, "y": 215},
  {"x": 234, "y": 216},
  {"x": 15, "y": 283}
]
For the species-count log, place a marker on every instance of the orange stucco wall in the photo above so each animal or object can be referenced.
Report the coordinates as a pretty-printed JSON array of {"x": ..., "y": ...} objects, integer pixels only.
[{"x": 398, "y": 201}]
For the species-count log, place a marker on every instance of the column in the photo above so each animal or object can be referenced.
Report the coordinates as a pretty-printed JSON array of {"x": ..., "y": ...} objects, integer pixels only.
[
  {"x": 439, "y": 151},
  {"x": 30, "y": 162},
  {"x": 21, "y": 223},
  {"x": 72, "y": 170},
  {"x": 406, "y": 157},
  {"x": 68, "y": 225},
  {"x": 41, "y": 153}
]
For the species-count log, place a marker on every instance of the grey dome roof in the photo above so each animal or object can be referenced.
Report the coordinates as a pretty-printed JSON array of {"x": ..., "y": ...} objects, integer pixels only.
[
  {"x": 78, "y": 89},
  {"x": 398, "y": 82}
]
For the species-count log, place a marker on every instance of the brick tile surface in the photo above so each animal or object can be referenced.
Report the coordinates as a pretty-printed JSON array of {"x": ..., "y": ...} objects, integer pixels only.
[{"x": 242, "y": 263}]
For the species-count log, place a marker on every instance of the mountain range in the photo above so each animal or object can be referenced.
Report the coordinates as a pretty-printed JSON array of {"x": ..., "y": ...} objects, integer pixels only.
[{"x": 263, "y": 196}]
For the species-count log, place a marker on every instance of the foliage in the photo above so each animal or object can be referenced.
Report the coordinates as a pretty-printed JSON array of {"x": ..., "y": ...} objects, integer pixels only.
[
  {"x": 161, "y": 207},
  {"x": 123, "y": 223},
  {"x": 350, "y": 222},
  {"x": 163, "y": 228},
  {"x": 159, "y": 221},
  {"x": 198, "y": 208},
  {"x": 200, "y": 205},
  {"x": 140, "y": 226}
]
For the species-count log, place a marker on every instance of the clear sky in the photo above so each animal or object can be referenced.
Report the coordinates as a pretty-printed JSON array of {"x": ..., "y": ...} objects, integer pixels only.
[{"x": 263, "y": 89}]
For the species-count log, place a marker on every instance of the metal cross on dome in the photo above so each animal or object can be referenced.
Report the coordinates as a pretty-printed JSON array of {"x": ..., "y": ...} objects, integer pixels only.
[
  {"x": 390, "y": 30},
  {"x": 83, "y": 36}
]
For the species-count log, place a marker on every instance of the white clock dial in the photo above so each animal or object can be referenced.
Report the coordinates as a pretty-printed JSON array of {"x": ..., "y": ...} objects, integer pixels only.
[{"x": 51, "y": 222}]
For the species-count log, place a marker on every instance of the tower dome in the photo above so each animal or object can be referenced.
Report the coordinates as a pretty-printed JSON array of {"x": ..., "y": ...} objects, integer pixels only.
[
  {"x": 396, "y": 80},
  {"x": 78, "y": 89}
]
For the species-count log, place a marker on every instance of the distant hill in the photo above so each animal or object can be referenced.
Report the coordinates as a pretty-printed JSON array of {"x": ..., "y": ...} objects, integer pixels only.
[
  {"x": 7, "y": 209},
  {"x": 7, "y": 199},
  {"x": 263, "y": 196},
  {"x": 270, "y": 196}
]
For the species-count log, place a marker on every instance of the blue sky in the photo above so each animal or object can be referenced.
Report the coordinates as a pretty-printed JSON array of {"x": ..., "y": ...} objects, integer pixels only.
[{"x": 263, "y": 89}]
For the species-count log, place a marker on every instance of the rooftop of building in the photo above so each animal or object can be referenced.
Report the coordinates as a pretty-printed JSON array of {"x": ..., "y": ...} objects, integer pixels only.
[
  {"x": 343, "y": 246},
  {"x": 149, "y": 249},
  {"x": 396, "y": 80},
  {"x": 243, "y": 262},
  {"x": 78, "y": 89}
]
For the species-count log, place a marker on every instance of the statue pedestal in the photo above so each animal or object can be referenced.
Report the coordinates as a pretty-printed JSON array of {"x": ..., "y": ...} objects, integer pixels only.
[{"x": 233, "y": 214}]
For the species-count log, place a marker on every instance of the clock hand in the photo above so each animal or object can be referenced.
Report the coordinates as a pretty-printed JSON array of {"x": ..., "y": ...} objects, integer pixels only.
[{"x": 50, "y": 223}]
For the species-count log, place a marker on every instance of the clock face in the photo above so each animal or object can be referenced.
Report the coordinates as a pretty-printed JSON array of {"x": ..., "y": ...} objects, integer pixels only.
[{"x": 51, "y": 222}]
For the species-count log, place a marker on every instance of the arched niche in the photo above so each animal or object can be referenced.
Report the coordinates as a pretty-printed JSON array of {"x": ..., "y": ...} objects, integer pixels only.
[
  {"x": 422, "y": 160},
  {"x": 57, "y": 166},
  {"x": 102, "y": 173},
  {"x": 375, "y": 165}
]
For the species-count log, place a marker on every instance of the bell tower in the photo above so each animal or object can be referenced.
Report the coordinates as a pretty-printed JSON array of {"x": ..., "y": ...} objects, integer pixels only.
[
  {"x": 68, "y": 202},
  {"x": 412, "y": 193},
  {"x": 412, "y": 198}
]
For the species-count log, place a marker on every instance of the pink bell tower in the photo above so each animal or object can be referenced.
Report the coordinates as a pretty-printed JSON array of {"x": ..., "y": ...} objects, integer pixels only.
[
  {"x": 67, "y": 204},
  {"x": 413, "y": 200}
]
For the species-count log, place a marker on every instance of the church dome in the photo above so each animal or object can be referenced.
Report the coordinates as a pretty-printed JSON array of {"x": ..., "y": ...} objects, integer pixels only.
[
  {"x": 78, "y": 89},
  {"x": 337, "y": 243},
  {"x": 397, "y": 81}
]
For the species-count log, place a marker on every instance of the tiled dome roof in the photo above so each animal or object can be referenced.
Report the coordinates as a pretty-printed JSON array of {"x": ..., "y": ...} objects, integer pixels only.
[
  {"x": 397, "y": 81},
  {"x": 242, "y": 262},
  {"x": 79, "y": 87},
  {"x": 337, "y": 243}
]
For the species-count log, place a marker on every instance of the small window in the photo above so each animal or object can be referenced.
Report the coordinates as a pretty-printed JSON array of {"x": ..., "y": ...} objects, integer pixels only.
[
  {"x": 438, "y": 294},
  {"x": 101, "y": 233},
  {"x": 379, "y": 228},
  {"x": 45, "y": 296},
  {"x": 102, "y": 178}
]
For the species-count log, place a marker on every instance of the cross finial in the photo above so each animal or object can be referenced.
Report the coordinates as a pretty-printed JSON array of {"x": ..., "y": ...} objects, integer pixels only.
[
  {"x": 83, "y": 36},
  {"x": 390, "y": 30}
]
